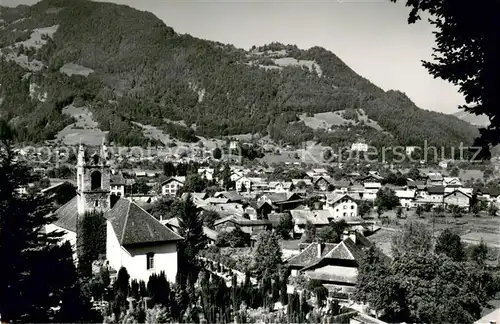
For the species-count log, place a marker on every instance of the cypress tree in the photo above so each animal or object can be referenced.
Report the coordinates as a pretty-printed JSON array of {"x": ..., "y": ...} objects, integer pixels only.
[
  {"x": 134, "y": 289},
  {"x": 121, "y": 289},
  {"x": 143, "y": 292},
  {"x": 276, "y": 288},
  {"x": 163, "y": 290},
  {"x": 191, "y": 229}
]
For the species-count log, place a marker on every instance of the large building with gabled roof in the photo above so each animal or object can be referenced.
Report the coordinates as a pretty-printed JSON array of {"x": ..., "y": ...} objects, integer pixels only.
[
  {"x": 139, "y": 242},
  {"x": 134, "y": 238}
]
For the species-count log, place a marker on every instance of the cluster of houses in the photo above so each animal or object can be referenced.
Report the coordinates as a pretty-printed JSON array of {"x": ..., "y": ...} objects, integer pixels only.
[
  {"x": 434, "y": 189},
  {"x": 144, "y": 244}
]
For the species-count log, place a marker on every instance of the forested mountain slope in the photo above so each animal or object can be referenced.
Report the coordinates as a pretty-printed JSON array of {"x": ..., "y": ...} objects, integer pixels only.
[{"x": 138, "y": 69}]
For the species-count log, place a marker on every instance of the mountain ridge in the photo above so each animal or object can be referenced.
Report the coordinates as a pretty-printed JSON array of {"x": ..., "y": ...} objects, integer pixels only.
[
  {"x": 476, "y": 120},
  {"x": 159, "y": 76}
]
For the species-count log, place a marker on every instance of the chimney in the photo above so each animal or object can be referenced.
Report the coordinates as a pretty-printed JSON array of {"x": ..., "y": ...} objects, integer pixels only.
[
  {"x": 320, "y": 249},
  {"x": 352, "y": 236},
  {"x": 345, "y": 235}
]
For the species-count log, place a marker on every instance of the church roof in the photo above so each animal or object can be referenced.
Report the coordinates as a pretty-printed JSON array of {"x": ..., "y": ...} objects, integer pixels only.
[
  {"x": 134, "y": 225},
  {"x": 67, "y": 215}
]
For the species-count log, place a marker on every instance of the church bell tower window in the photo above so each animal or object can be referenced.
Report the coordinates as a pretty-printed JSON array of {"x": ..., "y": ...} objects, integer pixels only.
[{"x": 95, "y": 180}]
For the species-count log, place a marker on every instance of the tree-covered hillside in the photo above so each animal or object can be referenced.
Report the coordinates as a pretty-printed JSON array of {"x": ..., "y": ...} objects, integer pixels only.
[{"x": 145, "y": 72}]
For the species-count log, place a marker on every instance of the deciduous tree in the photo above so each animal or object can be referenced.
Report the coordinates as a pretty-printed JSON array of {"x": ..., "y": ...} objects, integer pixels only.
[
  {"x": 413, "y": 237},
  {"x": 285, "y": 226},
  {"x": 267, "y": 255},
  {"x": 449, "y": 243},
  {"x": 466, "y": 54}
]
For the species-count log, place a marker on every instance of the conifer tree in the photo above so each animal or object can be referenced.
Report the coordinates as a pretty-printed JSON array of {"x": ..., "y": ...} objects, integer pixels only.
[
  {"x": 31, "y": 281},
  {"x": 122, "y": 290},
  {"x": 191, "y": 229}
]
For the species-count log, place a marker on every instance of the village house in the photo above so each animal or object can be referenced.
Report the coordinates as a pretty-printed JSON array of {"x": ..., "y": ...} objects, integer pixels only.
[
  {"x": 488, "y": 195},
  {"x": 452, "y": 182},
  {"x": 172, "y": 185},
  {"x": 173, "y": 224},
  {"x": 321, "y": 172},
  {"x": 434, "y": 179},
  {"x": 307, "y": 183},
  {"x": 282, "y": 201},
  {"x": 430, "y": 195},
  {"x": 356, "y": 191},
  {"x": 309, "y": 253},
  {"x": 371, "y": 189},
  {"x": 280, "y": 186},
  {"x": 262, "y": 208},
  {"x": 49, "y": 191},
  {"x": 259, "y": 184},
  {"x": 206, "y": 173},
  {"x": 416, "y": 185},
  {"x": 139, "y": 242},
  {"x": 243, "y": 184},
  {"x": 215, "y": 201},
  {"x": 319, "y": 218},
  {"x": 251, "y": 227},
  {"x": 406, "y": 197},
  {"x": 336, "y": 267},
  {"x": 323, "y": 183},
  {"x": 234, "y": 145},
  {"x": 196, "y": 197},
  {"x": 117, "y": 185},
  {"x": 225, "y": 209},
  {"x": 341, "y": 186},
  {"x": 457, "y": 198},
  {"x": 341, "y": 206}
]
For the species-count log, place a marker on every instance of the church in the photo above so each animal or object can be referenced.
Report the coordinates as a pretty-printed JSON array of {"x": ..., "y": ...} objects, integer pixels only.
[{"x": 134, "y": 238}]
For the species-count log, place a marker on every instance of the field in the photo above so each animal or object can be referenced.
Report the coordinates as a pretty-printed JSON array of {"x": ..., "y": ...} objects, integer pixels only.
[
  {"x": 312, "y": 153},
  {"x": 471, "y": 229},
  {"x": 328, "y": 119},
  {"x": 156, "y": 133},
  {"x": 35, "y": 41},
  {"x": 85, "y": 129},
  {"x": 75, "y": 69}
]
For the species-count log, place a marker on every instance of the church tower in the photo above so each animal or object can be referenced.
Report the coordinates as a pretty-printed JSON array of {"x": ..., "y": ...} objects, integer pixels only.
[{"x": 93, "y": 177}]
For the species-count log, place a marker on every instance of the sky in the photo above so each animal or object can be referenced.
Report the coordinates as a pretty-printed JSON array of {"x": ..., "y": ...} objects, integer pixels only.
[{"x": 371, "y": 36}]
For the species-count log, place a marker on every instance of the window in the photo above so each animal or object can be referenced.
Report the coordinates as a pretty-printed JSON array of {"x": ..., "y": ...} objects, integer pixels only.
[
  {"x": 95, "y": 180},
  {"x": 150, "y": 259},
  {"x": 352, "y": 206},
  {"x": 96, "y": 203}
]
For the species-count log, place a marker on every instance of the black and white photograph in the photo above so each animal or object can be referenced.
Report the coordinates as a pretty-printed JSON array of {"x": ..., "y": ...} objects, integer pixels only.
[{"x": 250, "y": 161}]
